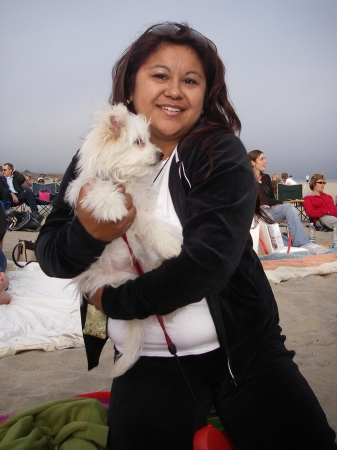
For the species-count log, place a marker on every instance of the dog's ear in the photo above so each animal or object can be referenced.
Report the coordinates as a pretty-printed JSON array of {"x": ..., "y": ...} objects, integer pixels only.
[{"x": 115, "y": 125}]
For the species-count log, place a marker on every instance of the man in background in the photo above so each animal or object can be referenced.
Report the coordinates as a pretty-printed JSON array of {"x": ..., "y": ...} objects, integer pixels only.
[
  {"x": 4, "y": 282},
  {"x": 11, "y": 189},
  {"x": 287, "y": 179}
]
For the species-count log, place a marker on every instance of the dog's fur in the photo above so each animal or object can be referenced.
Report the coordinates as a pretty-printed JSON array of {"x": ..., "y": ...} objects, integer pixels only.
[{"x": 118, "y": 150}]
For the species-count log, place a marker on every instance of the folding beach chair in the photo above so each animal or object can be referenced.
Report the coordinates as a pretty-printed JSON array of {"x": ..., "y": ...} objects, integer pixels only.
[
  {"x": 38, "y": 190},
  {"x": 292, "y": 194}
]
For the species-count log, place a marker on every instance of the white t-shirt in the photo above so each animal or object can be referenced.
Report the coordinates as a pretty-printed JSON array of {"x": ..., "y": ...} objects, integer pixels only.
[
  {"x": 191, "y": 328},
  {"x": 10, "y": 184},
  {"x": 290, "y": 181}
]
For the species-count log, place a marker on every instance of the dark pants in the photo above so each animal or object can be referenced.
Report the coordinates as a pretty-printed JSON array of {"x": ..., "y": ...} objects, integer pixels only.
[
  {"x": 273, "y": 407},
  {"x": 26, "y": 196},
  {"x": 3, "y": 261}
]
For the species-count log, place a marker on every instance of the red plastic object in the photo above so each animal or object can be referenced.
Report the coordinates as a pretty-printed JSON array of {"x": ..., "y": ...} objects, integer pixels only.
[
  {"x": 290, "y": 238},
  {"x": 102, "y": 396},
  {"x": 209, "y": 438}
]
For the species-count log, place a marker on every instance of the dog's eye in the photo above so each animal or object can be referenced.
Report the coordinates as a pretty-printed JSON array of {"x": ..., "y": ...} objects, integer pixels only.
[{"x": 138, "y": 141}]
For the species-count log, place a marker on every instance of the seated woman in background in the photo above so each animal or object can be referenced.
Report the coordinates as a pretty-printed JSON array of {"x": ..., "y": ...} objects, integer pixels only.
[
  {"x": 275, "y": 209},
  {"x": 319, "y": 205},
  {"x": 4, "y": 282},
  {"x": 275, "y": 180}
]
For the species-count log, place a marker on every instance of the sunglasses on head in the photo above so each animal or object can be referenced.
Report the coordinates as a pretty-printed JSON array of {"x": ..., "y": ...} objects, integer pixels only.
[
  {"x": 320, "y": 182},
  {"x": 169, "y": 29}
]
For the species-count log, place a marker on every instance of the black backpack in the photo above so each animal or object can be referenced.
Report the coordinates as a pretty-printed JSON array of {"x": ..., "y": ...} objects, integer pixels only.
[{"x": 23, "y": 221}]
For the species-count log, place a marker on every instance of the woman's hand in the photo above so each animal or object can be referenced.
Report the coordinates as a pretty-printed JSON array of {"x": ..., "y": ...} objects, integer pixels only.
[
  {"x": 105, "y": 231},
  {"x": 96, "y": 299}
]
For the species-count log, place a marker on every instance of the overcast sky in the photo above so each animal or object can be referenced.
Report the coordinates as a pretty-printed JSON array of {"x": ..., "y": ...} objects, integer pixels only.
[{"x": 281, "y": 59}]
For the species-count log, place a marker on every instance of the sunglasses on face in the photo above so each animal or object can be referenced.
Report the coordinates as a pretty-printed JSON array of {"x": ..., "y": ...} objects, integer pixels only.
[
  {"x": 170, "y": 29},
  {"x": 320, "y": 182}
]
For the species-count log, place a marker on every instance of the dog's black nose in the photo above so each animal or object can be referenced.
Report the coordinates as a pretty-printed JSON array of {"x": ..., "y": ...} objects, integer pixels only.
[{"x": 160, "y": 154}]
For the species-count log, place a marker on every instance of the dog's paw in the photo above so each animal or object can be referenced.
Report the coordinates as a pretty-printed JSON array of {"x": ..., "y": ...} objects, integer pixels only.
[
  {"x": 73, "y": 191},
  {"x": 166, "y": 240},
  {"x": 170, "y": 248},
  {"x": 105, "y": 201}
]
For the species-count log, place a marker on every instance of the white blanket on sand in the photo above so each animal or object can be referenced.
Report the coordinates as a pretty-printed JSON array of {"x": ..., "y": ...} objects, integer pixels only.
[{"x": 43, "y": 313}]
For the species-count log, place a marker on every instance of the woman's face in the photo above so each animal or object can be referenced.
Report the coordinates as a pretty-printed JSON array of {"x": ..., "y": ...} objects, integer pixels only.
[
  {"x": 169, "y": 90},
  {"x": 260, "y": 163},
  {"x": 319, "y": 186}
]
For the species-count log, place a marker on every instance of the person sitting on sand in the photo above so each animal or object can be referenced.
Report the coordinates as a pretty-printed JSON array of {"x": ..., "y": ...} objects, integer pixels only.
[
  {"x": 275, "y": 209},
  {"x": 288, "y": 180},
  {"x": 319, "y": 205},
  {"x": 57, "y": 182},
  {"x": 275, "y": 180},
  {"x": 4, "y": 282},
  {"x": 11, "y": 190},
  {"x": 27, "y": 183}
]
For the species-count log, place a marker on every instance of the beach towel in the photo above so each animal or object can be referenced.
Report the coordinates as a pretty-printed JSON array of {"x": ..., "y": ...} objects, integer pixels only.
[
  {"x": 67, "y": 424},
  {"x": 43, "y": 312},
  {"x": 284, "y": 269}
]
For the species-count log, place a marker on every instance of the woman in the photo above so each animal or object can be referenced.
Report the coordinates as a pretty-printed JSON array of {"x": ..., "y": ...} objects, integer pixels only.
[
  {"x": 4, "y": 282},
  {"x": 275, "y": 180},
  {"x": 275, "y": 209},
  {"x": 225, "y": 325},
  {"x": 318, "y": 204}
]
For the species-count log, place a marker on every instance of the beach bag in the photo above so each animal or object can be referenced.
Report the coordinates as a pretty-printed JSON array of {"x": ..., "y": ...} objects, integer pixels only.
[
  {"x": 275, "y": 236},
  {"x": 44, "y": 194},
  {"x": 22, "y": 221},
  {"x": 95, "y": 323},
  {"x": 24, "y": 251}
]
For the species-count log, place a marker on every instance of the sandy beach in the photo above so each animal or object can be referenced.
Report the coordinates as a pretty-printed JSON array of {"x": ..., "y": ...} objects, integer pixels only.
[{"x": 308, "y": 313}]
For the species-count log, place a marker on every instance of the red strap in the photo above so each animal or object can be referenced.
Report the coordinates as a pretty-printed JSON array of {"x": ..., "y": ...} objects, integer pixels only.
[
  {"x": 140, "y": 271},
  {"x": 167, "y": 337},
  {"x": 170, "y": 345},
  {"x": 136, "y": 263},
  {"x": 263, "y": 245}
]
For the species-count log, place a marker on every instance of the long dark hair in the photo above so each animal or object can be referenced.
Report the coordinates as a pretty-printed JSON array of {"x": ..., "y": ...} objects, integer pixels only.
[
  {"x": 253, "y": 155},
  {"x": 218, "y": 115}
]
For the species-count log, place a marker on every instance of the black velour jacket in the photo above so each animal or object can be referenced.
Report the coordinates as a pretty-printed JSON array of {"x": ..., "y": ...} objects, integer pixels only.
[{"x": 217, "y": 260}]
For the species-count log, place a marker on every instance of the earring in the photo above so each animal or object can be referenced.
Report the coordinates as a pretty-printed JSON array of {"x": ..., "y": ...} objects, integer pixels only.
[
  {"x": 128, "y": 101},
  {"x": 202, "y": 112}
]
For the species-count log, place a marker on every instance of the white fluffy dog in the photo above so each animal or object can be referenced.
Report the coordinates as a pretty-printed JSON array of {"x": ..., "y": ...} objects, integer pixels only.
[{"x": 118, "y": 150}]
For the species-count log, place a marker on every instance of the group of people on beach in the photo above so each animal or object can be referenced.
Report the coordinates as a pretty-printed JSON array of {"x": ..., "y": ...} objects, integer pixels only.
[
  {"x": 317, "y": 204},
  {"x": 15, "y": 188},
  {"x": 225, "y": 326}
]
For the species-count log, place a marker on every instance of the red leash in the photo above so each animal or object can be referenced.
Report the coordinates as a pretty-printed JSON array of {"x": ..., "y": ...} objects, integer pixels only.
[
  {"x": 139, "y": 269},
  {"x": 207, "y": 437}
]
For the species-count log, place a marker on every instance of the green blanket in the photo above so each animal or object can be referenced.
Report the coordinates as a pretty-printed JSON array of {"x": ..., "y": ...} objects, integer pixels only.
[{"x": 67, "y": 424}]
